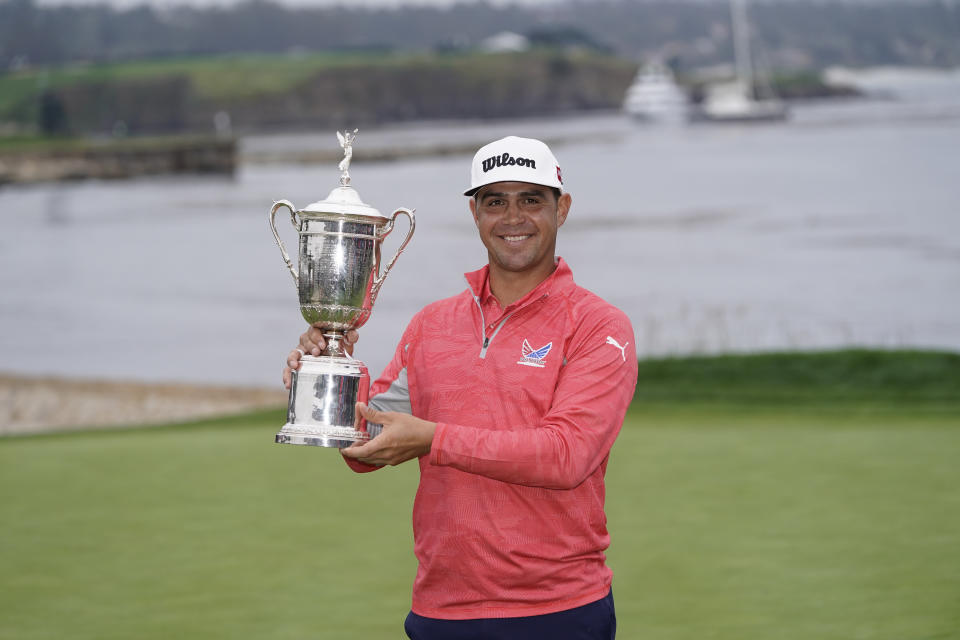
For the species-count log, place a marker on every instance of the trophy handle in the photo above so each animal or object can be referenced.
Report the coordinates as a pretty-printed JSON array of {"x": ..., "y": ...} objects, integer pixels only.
[
  {"x": 276, "y": 236},
  {"x": 378, "y": 281}
]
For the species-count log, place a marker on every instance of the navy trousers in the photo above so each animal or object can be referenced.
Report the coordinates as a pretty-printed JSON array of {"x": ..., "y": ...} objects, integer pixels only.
[{"x": 594, "y": 621}]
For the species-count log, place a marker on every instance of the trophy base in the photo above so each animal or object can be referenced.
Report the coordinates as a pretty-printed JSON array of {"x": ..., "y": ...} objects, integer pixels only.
[
  {"x": 324, "y": 393},
  {"x": 334, "y": 438}
]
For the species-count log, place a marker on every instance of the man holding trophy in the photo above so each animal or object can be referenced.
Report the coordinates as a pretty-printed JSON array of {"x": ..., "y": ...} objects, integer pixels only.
[{"x": 510, "y": 395}]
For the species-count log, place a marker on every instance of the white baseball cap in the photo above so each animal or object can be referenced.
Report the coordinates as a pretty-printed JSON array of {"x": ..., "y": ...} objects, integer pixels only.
[{"x": 514, "y": 159}]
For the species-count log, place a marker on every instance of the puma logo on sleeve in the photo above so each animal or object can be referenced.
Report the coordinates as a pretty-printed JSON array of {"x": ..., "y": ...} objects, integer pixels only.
[{"x": 623, "y": 352}]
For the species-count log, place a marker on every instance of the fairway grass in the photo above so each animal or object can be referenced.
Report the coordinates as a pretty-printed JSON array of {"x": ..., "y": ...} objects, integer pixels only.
[
  {"x": 727, "y": 524},
  {"x": 769, "y": 525}
]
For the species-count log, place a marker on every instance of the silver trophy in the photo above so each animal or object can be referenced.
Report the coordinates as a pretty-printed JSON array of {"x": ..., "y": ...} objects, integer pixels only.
[{"x": 338, "y": 281}]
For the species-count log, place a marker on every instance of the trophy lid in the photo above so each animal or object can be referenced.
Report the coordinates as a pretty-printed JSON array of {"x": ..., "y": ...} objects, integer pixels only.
[{"x": 343, "y": 200}]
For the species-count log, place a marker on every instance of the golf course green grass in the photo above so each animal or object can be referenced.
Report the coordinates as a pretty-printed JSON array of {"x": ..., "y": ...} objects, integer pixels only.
[{"x": 732, "y": 517}]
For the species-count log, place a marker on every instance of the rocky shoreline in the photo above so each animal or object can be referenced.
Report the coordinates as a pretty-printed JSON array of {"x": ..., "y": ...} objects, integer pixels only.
[
  {"x": 42, "y": 405},
  {"x": 82, "y": 160}
]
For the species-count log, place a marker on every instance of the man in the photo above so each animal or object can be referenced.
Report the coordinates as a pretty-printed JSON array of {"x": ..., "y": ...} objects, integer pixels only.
[{"x": 510, "y": 395}]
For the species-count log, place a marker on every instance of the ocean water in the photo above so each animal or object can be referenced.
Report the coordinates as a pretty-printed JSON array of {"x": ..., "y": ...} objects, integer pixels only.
[{"x": 840, "y": 227}]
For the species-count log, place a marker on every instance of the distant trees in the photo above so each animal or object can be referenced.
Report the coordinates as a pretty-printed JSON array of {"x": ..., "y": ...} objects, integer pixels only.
[{"x": 794, "y": 33}]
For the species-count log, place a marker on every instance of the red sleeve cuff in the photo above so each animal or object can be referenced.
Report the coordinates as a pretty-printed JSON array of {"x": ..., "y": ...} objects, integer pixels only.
[
  {"x": 359, "y": 467},
  {"x": 436, "y": 446}
]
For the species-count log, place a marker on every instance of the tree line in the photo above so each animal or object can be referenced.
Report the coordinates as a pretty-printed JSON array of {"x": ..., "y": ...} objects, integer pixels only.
[{"x": 792, "y": 34}]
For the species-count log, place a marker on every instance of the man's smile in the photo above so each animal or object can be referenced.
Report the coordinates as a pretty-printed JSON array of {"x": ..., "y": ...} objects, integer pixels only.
[{"x": 515, "y": 239}]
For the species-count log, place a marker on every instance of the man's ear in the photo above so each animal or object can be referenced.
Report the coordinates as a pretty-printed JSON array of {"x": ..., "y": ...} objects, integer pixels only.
[
  {"x": 473, "y": 211},
  {"x": 563, "y": 208}
]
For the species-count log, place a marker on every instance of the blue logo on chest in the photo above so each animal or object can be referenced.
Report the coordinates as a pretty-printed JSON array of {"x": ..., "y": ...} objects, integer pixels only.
[{"x": 534, "y": 357}]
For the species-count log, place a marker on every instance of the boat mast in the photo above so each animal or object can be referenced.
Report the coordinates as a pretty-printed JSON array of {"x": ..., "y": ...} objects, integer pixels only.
[{"x": 741, "y": 45}]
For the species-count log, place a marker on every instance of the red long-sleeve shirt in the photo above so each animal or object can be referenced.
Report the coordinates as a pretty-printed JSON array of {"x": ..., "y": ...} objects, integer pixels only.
[{"x": 508, "y": 519}]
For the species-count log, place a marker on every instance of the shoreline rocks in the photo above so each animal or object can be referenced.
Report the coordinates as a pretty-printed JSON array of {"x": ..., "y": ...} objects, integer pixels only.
[
  {"x": 125, "y": 159},
  {"x": 31, "y": 405}
]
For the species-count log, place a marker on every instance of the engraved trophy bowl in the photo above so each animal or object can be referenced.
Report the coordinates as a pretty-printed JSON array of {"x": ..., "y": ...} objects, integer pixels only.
[{"x": 338, "y": 277}]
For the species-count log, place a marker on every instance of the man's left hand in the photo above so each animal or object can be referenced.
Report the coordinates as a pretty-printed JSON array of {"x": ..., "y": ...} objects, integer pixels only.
[{"x": 404, "y": 437}]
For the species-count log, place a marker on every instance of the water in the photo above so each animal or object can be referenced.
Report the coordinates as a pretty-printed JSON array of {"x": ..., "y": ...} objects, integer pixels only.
[{"x": 839, "y": 228}]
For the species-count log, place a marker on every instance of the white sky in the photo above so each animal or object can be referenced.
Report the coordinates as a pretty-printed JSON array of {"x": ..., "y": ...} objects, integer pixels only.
[
  {"x": 385, "y": 3},
  {"x": 298, "y": 3}
]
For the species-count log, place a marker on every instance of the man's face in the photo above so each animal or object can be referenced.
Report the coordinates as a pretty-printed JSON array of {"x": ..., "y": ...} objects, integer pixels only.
[{"x": 518, "y": 224}]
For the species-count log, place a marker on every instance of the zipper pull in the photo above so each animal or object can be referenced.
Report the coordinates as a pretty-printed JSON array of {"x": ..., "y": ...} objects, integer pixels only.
[{"x": 486, "y": 342}]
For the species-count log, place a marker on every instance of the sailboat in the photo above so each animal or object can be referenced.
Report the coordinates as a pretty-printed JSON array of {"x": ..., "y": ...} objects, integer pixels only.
[
  {"x": 739, "y": 100},
  {"x": 655, "y": 95}
]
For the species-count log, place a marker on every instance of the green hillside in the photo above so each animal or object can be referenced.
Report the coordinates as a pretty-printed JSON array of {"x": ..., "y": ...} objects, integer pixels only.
[{"x": 320, "y": 89}]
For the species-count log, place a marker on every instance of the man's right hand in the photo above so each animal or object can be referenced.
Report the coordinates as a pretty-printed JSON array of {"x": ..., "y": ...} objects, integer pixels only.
[{"x": 312, "y": 343}]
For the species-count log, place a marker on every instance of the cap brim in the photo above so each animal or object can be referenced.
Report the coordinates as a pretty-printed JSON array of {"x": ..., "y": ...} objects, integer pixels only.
[{"x": 471, "y": 192}]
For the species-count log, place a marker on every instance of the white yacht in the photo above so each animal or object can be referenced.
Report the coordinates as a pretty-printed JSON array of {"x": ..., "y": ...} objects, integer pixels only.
[{"x": 655, "y": 95}]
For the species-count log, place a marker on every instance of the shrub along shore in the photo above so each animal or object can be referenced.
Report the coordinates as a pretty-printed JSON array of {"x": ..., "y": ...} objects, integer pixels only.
[{"x": 927, "y": 380}]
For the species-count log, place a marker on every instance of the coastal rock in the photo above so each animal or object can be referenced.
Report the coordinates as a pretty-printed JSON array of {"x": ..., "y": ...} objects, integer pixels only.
[{"x": 39, "y": 405}]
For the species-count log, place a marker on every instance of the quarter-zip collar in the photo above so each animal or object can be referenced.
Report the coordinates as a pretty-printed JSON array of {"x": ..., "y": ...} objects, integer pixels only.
[
  {"x": 560, "y": 280},
  {"x": 479, "y": 283}
]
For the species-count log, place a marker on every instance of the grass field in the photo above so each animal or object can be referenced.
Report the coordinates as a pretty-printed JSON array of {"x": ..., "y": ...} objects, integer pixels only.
[{"x": 775, "y": 520}]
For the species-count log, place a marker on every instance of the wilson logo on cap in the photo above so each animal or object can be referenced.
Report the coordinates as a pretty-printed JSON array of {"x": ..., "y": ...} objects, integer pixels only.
[
  {"x": 507, "y": 160},
  {"x": 513, "y": 159}
]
